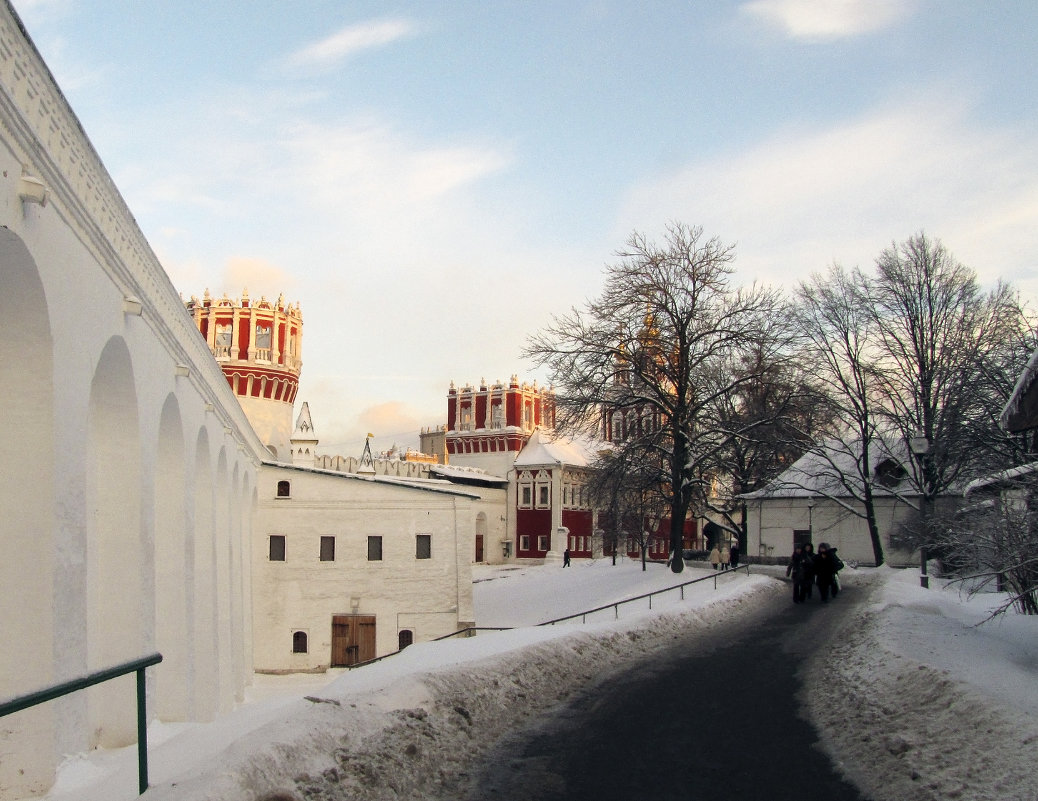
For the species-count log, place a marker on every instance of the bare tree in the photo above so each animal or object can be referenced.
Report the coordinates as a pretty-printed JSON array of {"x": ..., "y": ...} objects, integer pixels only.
[
  {"x": 769, "y": 422},
  {"x": 654, "y": 351},
  {"x": 995, "y": 541},
  {"x": 839, "y": 335},
  {"x": 942, "y": 342},
  {"x": 627, "y": 492}
]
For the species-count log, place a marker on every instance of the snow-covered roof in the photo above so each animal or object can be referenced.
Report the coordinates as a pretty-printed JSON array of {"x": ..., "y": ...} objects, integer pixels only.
[
  {"x": 1023, "y": 386},
  {"x": 424, "y": 484},
  {"x": 544, "y": 449},
  {"x": 829, "y": 470},
  {"x": 464, "y": 474},
  {"x": 1002, "y": 477}
]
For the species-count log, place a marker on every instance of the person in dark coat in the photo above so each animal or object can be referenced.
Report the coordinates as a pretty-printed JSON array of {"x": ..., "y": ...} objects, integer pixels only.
[
  {"x": 809, "y": 576},
  {"x": 565, "y": 558},
  {"x": 796, "y": 570},
  {"x": 837, "y": 567},
  {"x": 734, "y": 553},
  {"x": 824, "y": 570}
]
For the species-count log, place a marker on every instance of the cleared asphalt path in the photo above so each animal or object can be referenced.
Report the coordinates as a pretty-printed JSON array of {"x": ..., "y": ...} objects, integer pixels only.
[{"x": 694, "y": 722}]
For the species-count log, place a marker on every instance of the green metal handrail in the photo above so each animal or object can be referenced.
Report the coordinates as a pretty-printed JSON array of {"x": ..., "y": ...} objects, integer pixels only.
[{"x": 58, "y": 690}]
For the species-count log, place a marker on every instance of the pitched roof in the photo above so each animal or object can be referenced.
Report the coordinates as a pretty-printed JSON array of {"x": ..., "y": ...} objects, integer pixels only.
[
  {"x": 544, "y": 449},
  {"x": 830, "y": 471}
]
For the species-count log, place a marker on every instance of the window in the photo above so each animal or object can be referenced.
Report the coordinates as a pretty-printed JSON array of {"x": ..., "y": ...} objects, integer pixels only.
[
  {"x": 526, "y": 501},
  {"x": 497, "y": 416},
  {"x": 423, "y": 546},
  {"x": 299, "y": 642},
  {"x": 223, "y": 340},
  {"x": 543, "y": 495},
  {"x": 327, "y": 549},
  {"x": 277, "y": 547},
  {"x": 801, "y": 536},
  {"x": 542, "y": 542},
  {"x": 404, "y": 639},
  {"x": 374, "y": 549},
  {"x": 524, "y": 542},
  {"x": 284, "y": 489}
]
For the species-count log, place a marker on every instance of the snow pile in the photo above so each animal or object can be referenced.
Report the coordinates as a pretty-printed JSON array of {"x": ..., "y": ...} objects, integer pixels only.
[
  {"x": 912, "y": 700},
  {"x": 916, "y": 700}
]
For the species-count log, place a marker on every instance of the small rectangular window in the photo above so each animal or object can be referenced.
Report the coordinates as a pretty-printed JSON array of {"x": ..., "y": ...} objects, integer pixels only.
[
  {"x": 374, "y": 549},
  {"x": 284, "y": 489},
  {"x": 542, "y": 542},
  {"x": 327, "y": 549},
  {"x": 277, "y": 548},
  {"x": 524, "y": 542},
  {"x": 542, "y": 495},
  {"x": 423, "y": 546}
]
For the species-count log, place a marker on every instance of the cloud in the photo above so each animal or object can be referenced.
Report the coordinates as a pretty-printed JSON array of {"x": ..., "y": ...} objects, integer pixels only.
[
  {"x": 804, "y": 198},
  {"x": 349, "y": 41},
  {"x": 816, "y": 20},
  {"x": 259, "y": 276}
]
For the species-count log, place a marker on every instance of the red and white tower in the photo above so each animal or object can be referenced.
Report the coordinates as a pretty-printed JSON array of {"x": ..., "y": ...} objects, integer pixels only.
[
  {"x": 258, "y": 344},
  {"x": 487, "y": 426}
]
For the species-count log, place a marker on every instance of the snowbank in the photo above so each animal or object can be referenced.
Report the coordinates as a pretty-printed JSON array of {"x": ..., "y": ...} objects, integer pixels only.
[
  {"x": 922, "y": 700},
  {"x": 918, "y": 702}
]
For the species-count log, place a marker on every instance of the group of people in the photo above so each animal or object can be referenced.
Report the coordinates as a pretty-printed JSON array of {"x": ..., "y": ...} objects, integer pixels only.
[
  {"x": 808, "y": 569},
  {"x": 723, "y": 557}
]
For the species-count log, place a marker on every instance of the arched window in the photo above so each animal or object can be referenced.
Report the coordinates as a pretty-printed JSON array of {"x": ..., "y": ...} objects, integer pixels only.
[
  {"x": 284, "y": 489},
  {"x": 299, "y": 642},
  {"x": 405, "y": 638}
]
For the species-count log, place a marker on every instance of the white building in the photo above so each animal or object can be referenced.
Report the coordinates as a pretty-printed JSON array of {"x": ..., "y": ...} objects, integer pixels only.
[
  {"x": 817, "y": 500},
  {"x": 129, "y": 474},
  {"x": 356, "y": 566}
]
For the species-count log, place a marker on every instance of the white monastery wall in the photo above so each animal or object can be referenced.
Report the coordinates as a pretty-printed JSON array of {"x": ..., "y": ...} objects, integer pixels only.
[
  {"x": 771, "y": 522},
  {"x": 428, "y": 596},
  {"x": 128, "y": 486}
]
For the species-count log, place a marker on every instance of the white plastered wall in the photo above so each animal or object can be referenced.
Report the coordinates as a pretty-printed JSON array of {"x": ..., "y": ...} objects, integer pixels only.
[
  {"x": 431, "y": 597},
  {"x": 100, "y": 497}
]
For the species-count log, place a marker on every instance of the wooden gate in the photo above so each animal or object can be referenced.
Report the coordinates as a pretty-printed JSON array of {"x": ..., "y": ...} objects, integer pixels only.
[{"x": 353, "y": 639}]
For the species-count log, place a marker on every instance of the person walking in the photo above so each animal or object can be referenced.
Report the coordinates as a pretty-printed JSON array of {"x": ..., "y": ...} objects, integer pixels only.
[
  {"x": 809, "y": 575},
  {"x": 795, "y": 570},
  {"x": 824, "y": 570},
  {"x": 735, "y": 553},
  {"x": 837, "y": 567},
  {"x": 715, "y": 557},
  {"x": 565, "y": 558},
  {"x": 726, "y": 558}
]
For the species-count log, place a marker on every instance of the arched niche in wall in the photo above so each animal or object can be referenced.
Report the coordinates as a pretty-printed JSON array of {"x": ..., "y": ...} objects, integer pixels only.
[
  {"x": 27, "y": 509},
  {"x": 115, "y": 554}
]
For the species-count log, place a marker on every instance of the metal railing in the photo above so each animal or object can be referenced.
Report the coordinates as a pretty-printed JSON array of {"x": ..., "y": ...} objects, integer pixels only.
[
  {"x": 615, "y": 606},
  {"x": 650, "y": 595},
  {"x": 97, "y": 677}
]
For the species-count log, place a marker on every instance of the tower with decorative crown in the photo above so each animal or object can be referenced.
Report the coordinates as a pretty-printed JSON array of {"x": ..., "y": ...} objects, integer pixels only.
[
  {"x": 488, "y": 425},
  {"x": 258, "y": 344}
]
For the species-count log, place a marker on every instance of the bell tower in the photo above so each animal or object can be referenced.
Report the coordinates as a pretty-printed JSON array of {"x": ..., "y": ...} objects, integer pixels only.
[{"x": 258, "y": 344}]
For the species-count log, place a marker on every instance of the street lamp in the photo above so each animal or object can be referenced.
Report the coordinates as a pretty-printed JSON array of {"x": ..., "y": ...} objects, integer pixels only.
[
  {"x": 920, "y": 447},
  {"x": 810, "y": 520}
]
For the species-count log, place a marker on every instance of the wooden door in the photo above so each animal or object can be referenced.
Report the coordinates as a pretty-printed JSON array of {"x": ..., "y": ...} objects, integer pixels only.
[
  {"x": 479, "y": 548},
  {"x": 353, "y": 639}
]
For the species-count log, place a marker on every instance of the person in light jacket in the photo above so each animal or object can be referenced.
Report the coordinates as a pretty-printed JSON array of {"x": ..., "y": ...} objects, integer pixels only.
[
  {"x": 715, "y": 557},
  {"x": 726, "y": 558}
]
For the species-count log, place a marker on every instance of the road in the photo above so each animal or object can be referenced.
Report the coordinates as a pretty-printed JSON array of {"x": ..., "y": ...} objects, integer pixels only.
[{"x": 719, "y": 721}]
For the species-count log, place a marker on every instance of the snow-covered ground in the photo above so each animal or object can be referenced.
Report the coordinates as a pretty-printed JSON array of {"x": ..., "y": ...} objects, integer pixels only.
[{"x": 919, "y": 701}]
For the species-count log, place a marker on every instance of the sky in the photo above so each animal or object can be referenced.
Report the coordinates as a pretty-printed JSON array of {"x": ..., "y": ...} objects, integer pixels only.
[
  {"x": 911, "y": 665},
  {"x": 433, "y": 181}
]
